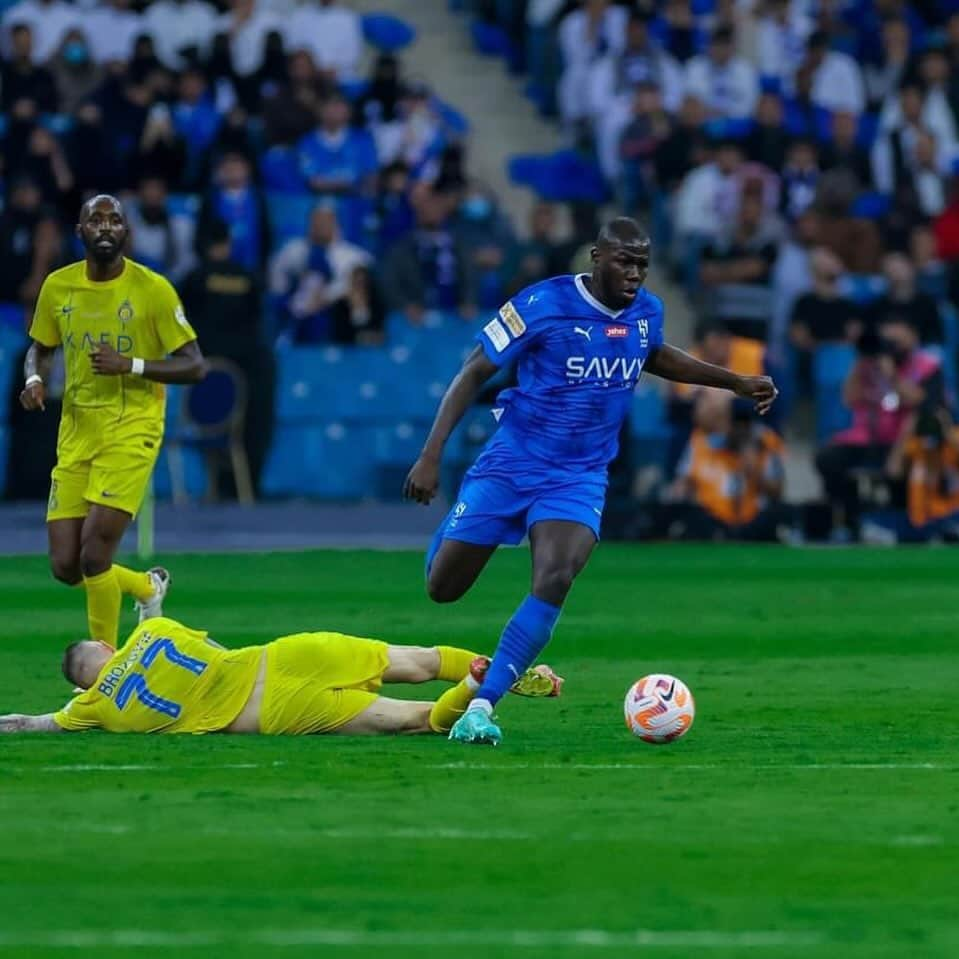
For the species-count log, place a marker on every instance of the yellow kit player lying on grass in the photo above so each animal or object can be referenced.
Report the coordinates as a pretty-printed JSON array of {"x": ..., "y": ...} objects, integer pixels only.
[{"x": 168, "y": 678}]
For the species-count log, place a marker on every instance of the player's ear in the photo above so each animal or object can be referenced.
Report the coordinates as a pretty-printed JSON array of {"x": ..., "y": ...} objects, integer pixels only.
[{"x": 594, "y": 253}]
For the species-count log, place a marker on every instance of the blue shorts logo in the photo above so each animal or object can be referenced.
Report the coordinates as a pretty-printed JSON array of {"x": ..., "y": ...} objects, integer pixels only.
[{"x": 458, "y": 510}]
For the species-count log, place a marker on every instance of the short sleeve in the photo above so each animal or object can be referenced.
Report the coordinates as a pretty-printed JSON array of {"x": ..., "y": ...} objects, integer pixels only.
[
  {"x": 82, "y": 712},
  {"x": 172, "y": 328},
  {"x": 657, "y": 322},
  {"x": 510, "y": 333},
  {"x": 44, "y": 327}
]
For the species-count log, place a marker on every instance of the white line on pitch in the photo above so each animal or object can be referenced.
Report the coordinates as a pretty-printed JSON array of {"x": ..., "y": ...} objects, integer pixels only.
[
  {"x": 484, "y": 937},
  {"x": 140, "y": 767},
  {"x": 719, "y": 767}
]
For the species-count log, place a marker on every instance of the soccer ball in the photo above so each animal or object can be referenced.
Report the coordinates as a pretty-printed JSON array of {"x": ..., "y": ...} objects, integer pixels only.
[{"x": 659, "y": 708}]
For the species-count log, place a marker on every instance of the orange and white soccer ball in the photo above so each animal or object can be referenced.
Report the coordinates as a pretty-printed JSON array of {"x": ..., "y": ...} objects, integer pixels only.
[{"x": 659, "y": 708}]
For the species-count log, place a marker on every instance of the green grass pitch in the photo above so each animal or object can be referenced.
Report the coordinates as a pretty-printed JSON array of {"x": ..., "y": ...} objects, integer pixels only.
[{"x": 812, "y": 811}]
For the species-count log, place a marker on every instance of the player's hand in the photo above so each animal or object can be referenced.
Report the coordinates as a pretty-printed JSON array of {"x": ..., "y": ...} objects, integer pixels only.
[
  {"x": 423, "y": 480},
  {"x": 760, "y": 389},
  {"x": 33, "y": 397},
  {"x": 107, "y": 362}
]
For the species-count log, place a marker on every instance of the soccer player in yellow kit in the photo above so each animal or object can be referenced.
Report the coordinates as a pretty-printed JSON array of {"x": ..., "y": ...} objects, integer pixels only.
[
  {"x": 169, "y": 678},
  {"x": 123, "y": 334}
]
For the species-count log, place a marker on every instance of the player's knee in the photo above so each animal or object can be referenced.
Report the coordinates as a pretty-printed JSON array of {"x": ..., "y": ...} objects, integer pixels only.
[
  {"x": 443, "y": 590},
  {"x": 96, "y": 556},
  {"x": 65, "y": 569},
  {"x": 553, "y": 583}
]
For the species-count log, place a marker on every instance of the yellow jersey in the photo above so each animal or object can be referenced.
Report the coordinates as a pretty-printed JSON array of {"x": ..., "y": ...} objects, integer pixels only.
[
  {"x": 167, "y": 678},
  {"x": 138, "y": 313}
]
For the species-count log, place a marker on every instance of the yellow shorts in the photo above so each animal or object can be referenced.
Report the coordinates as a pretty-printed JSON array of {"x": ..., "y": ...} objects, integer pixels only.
[
  {"x": 105, "y": 463},
  {"x": 316, "y": 682}
]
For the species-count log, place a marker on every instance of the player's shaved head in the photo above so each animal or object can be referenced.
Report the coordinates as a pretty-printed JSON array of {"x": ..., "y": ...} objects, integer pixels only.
[
  {"x": 622, "y": 231},
  {"x": 82, "y": 662},
  {"x": 101, "y": 200}
]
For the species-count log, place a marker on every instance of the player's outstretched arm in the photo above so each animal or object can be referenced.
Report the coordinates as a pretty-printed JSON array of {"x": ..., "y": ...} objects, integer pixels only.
[
  {"x": 674, "y": 364},
  {"x": 18, "y": 723},
  {"x": 185, "y": 365},
  {"x": 36, "y": 371},
  {"x": 424, "y": 478}
]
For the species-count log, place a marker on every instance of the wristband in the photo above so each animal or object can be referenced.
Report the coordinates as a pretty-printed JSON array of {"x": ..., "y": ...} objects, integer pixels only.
[
  {"x": 31, "y": 380},
  {"x": 136, "y": 366}
]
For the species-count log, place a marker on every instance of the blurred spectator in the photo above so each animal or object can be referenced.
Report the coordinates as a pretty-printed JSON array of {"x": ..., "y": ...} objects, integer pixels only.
[
  {"x": 891, "y": 378},
  {"x": 379, "y": 103},
  {"x": 648, "y": 128},
  {"x": 290, "y": 111},
  {"x": 21, "y": 79},
  {"x": 335, "y": 158},
  {"x": 781, "y": 41},
  {"x": 393, "y": 211},
  {"x": 222, "y": 299},
  {"x": 932, "y": 274},
  {"x": 685, "y": 148},
  {"x": 746, "y": 253},
  {"x": 46, "y": 163},
  {"x": 835, "y": 77},
  {"x": 937, "y": 114},
  {"x": 791, "y": 277},
  {"x": 903, "y": 303},
  {"x": 800, "y": 176},
  {"x": 182, "y": 31},
  {"x": 331, "y": 33},
  {"x": 595, "y": 29},
  {"x": 768, "y": 140},
  {"x": 29, "y": 242},
  {"x": 731, "y": 476},
  {"x": 48, "y": 20},
  {"x": 882, "y": 79},
  {"x": 197, "y": 120},
  {"x": 429, "y": 269},
  {"x": 726, "y": 83},
  {"x": 326, "y": 286},
  {"x": 162, "y": 152},
  {"x": 484, "y": 231},
  {"x": 111, "y": 29},
  {"x": 96, "y": 167},
  {"x": 158, "y": 239},
  {"x": 843, "y": 152},
  {"x": 893, "y": 154},
  {"x": 247, "y": 27},
  {"x": 415, "y": 138},
  {"x": 856, "y": 240},
  {"x": 822, "y": 315},
  {"x": 538, "y": 257},
  {"x": 77, "y": 75},
  {"x": 682, "y": 34},
  {"x": 236, "y": 201}
]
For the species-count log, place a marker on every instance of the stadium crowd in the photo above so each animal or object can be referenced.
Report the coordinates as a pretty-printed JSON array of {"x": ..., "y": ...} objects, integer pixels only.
[{"x": 796, "y": 162}]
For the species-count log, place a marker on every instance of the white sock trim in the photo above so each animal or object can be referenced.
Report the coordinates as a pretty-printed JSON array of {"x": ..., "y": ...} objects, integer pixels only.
[
  {"x": 483, "y": 704},
  {"x": 472, "y": 683}
]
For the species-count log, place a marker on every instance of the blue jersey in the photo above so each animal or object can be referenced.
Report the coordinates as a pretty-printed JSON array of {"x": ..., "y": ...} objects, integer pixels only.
[{"x": 578, "y": 363}]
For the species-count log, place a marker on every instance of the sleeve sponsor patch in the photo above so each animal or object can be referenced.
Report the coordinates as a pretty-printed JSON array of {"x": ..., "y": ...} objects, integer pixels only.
[
  {"x": 512, "y": 319},
  {"x": 497, "y": 335},
  {"x": 179, "y": 315}
]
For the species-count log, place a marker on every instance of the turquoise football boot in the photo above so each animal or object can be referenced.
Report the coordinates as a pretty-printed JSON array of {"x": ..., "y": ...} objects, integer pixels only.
[{"x": 476, "y": 726}]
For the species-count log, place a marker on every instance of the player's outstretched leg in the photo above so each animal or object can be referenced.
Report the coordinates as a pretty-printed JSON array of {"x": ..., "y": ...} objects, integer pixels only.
[
  {"x": 560, "y": 549},
  {"x": 452, "y": 566}
]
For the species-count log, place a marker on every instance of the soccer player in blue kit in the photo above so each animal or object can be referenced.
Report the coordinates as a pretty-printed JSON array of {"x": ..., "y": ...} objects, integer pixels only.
[{"x": 580, "y": 344}]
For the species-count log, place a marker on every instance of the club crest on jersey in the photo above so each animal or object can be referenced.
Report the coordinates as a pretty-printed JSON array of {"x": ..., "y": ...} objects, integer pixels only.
[
  {"x": 125, "y": 311},
  {"x": 617, "y": 332},
  {"x": 643, "y": 326},
  {"x": 512, "y": 319}
]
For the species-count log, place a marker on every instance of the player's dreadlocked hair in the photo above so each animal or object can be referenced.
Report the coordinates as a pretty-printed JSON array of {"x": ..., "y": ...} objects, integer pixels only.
[
  {"x": 622, "y": 229},
  {"x": 69, "y": 664}
]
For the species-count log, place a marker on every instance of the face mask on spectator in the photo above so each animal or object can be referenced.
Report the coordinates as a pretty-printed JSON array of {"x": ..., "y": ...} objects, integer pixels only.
[
  {"x": 477, "y": 207},
  {"x": 75, "y": 53}
]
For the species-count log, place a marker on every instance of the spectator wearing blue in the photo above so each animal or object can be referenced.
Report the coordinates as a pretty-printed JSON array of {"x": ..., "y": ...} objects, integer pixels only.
[
  {"x": 417, "y": 138},
  {"x": 236, "y": 201},
  {"x": 196, "y": 119},
  {"x": 799, "y": 177},
  {"x": 393, "y": 216},
  {"x": 429, "y": 269},
  {"x": 291, "y": 106},
  {"x": 486, "y": 234}
]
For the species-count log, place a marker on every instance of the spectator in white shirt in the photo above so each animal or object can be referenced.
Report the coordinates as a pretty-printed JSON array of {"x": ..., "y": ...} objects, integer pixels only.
[
  {"x": 111, "y": 29},
  {"x": 595, "y": 30},
  {"x": 894, "y": 150},
  {"x": 159, "y": 239},
  {"x": 781, "y": 41},
  {"x": 331, "y": 33},
  {"x": 48, "y": 20},
  {"x": 247, "y": 26},
  {"x": 180, "y": 29},
  {"x": 937, "y": 115},
  {"x": 727, "y": 84},
  {"x": 883, "y": 79},
  {"x": 836, "y": 80}
]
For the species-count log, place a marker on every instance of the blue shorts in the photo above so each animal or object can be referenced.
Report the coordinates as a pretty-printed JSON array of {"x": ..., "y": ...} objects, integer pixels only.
[{"x": 498, "y": 509}]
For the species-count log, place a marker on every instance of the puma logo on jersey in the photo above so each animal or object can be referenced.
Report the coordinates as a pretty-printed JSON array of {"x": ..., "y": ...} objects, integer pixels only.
[
  {"x": 604, "y": 368},
  {"x": 583, "y": 331}
]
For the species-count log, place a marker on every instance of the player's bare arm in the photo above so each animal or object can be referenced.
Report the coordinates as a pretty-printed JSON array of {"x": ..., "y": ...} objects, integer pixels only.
[
  {"x": 36, "y": 371},
  {"x": 184, "y": 366},
  {"x": 674, "y": 364},
  {"x": 423, "y": 479},
  {"x": 19, "y": 723}
]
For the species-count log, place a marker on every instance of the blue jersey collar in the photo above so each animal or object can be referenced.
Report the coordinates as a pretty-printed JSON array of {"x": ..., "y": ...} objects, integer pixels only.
[{"x": 592, "y": 301}]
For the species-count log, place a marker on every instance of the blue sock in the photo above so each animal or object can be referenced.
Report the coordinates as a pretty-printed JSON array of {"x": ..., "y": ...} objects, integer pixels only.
[{"x": 524, "y": 638}]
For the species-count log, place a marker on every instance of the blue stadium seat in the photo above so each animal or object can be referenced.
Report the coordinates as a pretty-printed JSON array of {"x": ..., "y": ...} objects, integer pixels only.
[
  {"x": 13, "y": 317},
  {"x": 328, "y": 461},
  {"x": 280, "y": 170},
  {"x": 12, "y": 343},
  {"x": 386, "y": 32},
  {"x": 4, "y": 449},
  {"x": 563, "y": 176},
  {"x": 183, "y": 204},
  {"x": 289, "y": 215},
  {"x": 396, "y": 448},
  {"x": 832, "y": 363}
]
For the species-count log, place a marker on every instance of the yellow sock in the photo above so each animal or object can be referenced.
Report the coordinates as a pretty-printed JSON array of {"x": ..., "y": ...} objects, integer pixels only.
[
  {"x": 454, "y": 663},
  {"x": 135, "y": 584},
  {"x": 451, "y": 705},
  {"x": 103, "y": 606}
]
